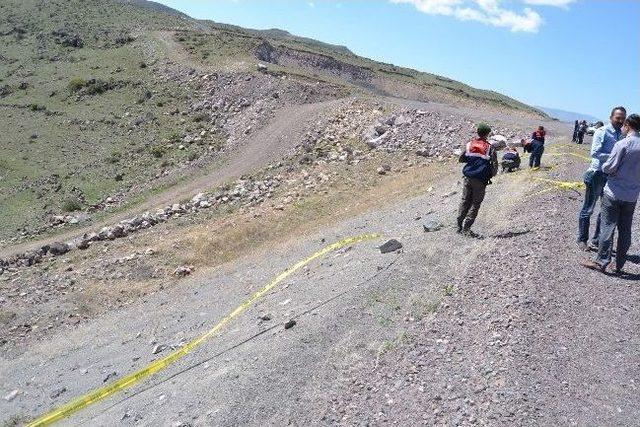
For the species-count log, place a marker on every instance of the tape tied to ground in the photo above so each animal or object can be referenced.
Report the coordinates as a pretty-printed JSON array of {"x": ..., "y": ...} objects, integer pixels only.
[
  {"x": 580, "y": 156},
  {"x": 127, "y": 381},
  {"x": 559, "y": 185}
]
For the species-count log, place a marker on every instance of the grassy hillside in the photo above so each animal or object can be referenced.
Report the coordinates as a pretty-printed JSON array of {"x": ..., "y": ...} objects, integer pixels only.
[
  {"x": 82, "y": 107},
  {"x": 89, "y": 108}
]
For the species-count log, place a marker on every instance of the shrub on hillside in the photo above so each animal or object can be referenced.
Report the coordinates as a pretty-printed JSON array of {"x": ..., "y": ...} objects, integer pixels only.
[
  {"x": 114, "y": 157},
  {"x": 174, "y": 136},
  {"x": 96, "y": 86},
  {"x": 89, "y": 87},
  {"x": 36, "y": 107},
  {"x": 201, "y": 117},
  {"x": 77, "y": 83},
  {"x": 71, "y": 204},
  {"x": 123, "y": 39},
  {"x": 158, "y": 151},
  {"x": 144, "y": 96},
  {"x": 5, "y": 90}
]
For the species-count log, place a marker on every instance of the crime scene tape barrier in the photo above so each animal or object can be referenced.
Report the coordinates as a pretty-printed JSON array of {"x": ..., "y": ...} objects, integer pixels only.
[
  {"x": 580, "y": 156},
  {"x": 127, "y": 381},
  {"x": 559, "y": 185}
]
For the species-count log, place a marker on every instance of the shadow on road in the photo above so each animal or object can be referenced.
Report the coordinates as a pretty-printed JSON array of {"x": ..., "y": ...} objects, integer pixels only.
[
  {"x": 633, "y": 259},
  {"x": 510, "y": 234}
]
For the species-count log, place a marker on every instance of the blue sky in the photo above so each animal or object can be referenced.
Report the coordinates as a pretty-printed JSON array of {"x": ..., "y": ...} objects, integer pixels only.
[{"x": 575, "y": 55}]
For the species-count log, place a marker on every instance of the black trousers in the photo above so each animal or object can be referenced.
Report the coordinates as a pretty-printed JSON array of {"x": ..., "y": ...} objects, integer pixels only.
[
  {"x": 536, "y": 154},
  {"x": 615, "y": 214},
  {"x": 473, "y": 191}
]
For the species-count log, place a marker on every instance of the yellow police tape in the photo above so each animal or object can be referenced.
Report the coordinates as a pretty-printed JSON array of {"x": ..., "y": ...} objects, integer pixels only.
[
  {"x": 580, "y": 156},
  {"x": 154, "y": 367},
  {"x": 559, "y": 185}
]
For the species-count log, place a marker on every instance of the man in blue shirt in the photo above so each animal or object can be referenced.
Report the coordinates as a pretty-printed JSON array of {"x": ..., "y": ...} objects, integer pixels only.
[
  {"x": 619, "y": 197},
  {"x": 595, "y": 179}
]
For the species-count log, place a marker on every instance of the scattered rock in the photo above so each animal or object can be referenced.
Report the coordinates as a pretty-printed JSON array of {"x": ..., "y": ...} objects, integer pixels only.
[
  {"x": 290, "y": 324},
  {"x": 11, "y": 395},
  {"x": 58, "y": 392},
  {"x": 377, "y": 142},
  {"x": 402, "y": 120},
  {"x": 159, "y": 348},
  {"x": 198, "y": 198},
  {"x": 382, "y": 170},
  {"x": 432, "y": 225},
  {"x": 183, "y": 271},
  {"x": 58, "y": 248},
  {"x": 390, "y": 246},
  {"x": 381, "y": 129}
]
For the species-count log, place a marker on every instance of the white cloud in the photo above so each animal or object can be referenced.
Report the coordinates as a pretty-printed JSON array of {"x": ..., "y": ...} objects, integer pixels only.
[
  {"x": 489, "y": 12},
  {"x": 557, "y": 3}
]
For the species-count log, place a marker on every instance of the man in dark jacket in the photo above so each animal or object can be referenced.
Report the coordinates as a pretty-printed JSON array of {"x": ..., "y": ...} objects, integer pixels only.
[
  {"x": 510, "y": 159},
  {"x": 575, "y": 131},
  {"x": 481, "y": 164},
  {"x": 537, "y": 147},
  {"x": 582, "y": 129}
]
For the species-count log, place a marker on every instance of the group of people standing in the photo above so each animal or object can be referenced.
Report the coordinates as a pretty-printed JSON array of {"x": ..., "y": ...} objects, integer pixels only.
[
  {"x": 579, "y": 130},
  {"x": 613, "y": 177}
]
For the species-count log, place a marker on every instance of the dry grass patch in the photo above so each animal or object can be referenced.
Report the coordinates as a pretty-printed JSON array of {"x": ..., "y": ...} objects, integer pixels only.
[{"x": 354, "y": 192}]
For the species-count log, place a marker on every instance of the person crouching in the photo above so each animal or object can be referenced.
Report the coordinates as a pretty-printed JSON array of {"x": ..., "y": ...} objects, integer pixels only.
[
  {"x": 481, "y": 164},
  {"x": 510, "y": 159}
]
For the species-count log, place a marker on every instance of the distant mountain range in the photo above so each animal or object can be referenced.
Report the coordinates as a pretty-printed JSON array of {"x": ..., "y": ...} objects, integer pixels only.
[{"x": 568, "y": 116}]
